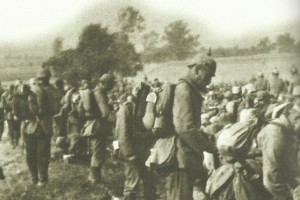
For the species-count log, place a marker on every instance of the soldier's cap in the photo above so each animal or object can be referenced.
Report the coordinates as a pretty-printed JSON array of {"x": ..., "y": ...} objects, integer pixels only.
[
  {"x": 205, "y": 61},
  {"x": 84, "y": 81},
  {"x": 32, "y": 81},
  {"x": 235, "y": 90},
  {"x": 107, "y": 78},
  {"x": 260, "y": 74},
  {"x": 296, "y": 91},
  {"x": 294, "y": 69},
  {"x": 275, "y": 71},
  {"x": 43, "y": 73}
]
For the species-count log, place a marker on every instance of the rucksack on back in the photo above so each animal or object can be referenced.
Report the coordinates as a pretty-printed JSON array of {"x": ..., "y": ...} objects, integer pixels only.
[
  {"x": 158, "y": 115},
  {"x": 235, "y": 142}
]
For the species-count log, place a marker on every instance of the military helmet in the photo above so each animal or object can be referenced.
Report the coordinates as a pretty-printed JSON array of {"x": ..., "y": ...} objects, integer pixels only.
[
  {"x": 107, "y": 78},
  {"x": 205, "y": 61},
  {"x": 275, "y": 71},
  {"x": 43, "y": 73}
]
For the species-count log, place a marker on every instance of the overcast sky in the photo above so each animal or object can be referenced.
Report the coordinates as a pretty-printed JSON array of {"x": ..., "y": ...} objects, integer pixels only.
[{"x": 22, "y": 19}]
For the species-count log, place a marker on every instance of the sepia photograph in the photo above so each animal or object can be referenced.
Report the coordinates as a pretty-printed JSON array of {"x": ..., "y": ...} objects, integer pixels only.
[{"x": 149, "y": 100}]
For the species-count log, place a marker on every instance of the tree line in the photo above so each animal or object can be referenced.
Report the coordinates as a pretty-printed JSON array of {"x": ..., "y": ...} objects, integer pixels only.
[{"x": 101, "y": 51}]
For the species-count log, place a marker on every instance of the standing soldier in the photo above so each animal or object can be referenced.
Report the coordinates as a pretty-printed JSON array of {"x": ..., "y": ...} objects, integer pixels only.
[
  {"x": 190, "y": 142},
  {"x": 7, "y": 99},
  {"x": 279, "y": 148},
  {"x": 261, "y": 83},
  {"x": 100, "y": 116},
  {"x": 135, "y": 145},
  {"x": 1, "y": 113},
  {"x": 276, "y": 85},
  {"x": 59, "y": 93},
  {"x": 38, "y": 130},
  {"x": 295, "y": 80}
]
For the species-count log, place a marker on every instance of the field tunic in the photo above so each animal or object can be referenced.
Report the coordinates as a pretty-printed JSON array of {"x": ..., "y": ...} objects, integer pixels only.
[{"x": 279, "y": 151}]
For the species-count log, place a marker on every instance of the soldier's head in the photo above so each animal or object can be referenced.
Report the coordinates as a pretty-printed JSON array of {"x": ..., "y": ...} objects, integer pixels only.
[
  {"x": 43, "y": 75},
  {"x": 59, "y": 83},
  {"x": 84, "y": 84},
  {"x": 293, "y": 70},
  {"x": 202, "y": 70},
  {"x": 260, "y": 75},
  {"x": 275, "y": 72},
  {"x": 107, "y": 82},
  {"x": 11, "y": 88}
]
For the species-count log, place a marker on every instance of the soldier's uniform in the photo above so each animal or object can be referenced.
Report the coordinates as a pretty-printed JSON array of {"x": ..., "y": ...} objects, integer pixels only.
[
  {"x": 1, "y": 113},
  {"x": 135, "y": 148},
  {"x": 38, "y": 138},
  {"x": 59, "y": 93},
  {"x": 13, "y": 124},
  {"x": 104, "y": 116},
  {"x": 190, "y": 141}
]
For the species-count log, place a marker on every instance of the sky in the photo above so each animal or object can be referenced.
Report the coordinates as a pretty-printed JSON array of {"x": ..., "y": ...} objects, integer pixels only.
[{"x": 24, "y": 19}]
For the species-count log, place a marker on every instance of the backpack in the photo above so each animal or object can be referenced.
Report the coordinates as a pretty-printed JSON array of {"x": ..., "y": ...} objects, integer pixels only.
[
  {"x": 235, "y": 141},
  {"x": 158, "y": 115},
  {"x": 88, "y": 107}
]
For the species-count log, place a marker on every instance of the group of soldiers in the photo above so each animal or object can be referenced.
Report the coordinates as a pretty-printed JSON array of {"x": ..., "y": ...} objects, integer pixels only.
[{"x": 177, "y": 137}]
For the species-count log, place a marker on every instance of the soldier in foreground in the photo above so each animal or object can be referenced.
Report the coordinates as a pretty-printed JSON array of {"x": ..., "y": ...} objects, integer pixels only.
[
  {"x": 135, "y": 144},
  {"x": 38, "y": 128},
  {"x": 279, "y": 148},
  {"x": 101, "y": 117},
  {"x": 190, "y": 142}
]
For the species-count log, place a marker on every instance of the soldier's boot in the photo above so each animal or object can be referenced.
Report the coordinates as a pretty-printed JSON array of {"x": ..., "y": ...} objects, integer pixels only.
[
  {"x": 95, "y": 175},
  {"x": 43, "y": 174},
  {"x": 33, "y": 172}
]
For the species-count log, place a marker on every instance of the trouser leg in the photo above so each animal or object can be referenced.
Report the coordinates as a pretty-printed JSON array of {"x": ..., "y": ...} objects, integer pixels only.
[
  {"x": 1, "y": 128},
  {"x": 180, "y": 185},
  {"x": 98, "y": 150},
  {"x": 43, "y": 157},
  {"x": 132, "y": 178},
  {"x": 16, "y": 131},
  {"x": 31, "y": 158},
  {"x": 148, "y": 178},
  {"x": 11, "y": 131}
]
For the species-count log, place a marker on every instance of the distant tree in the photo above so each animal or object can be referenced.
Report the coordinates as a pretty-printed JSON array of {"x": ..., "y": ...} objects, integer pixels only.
[
  {"x": 264, "y": 45},
  {"x": 180, "y": 42},
  {"x": 150, "y": 40},
  {"x": 131, "y": 20},
  {"x": 57, "y": 45},
  {"x": 97, "y": 52},
  {"x": 285, "y": 43}
]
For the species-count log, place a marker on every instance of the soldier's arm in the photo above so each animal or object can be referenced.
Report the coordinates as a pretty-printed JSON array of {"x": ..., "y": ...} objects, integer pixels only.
[
  {"x": 184, "y": 121},
  {"x": 123, "y": 133},
  {"x": 40, "y": 99},
  {"x": 272, "y": 148},
  {"x": 105, "y": 108}
]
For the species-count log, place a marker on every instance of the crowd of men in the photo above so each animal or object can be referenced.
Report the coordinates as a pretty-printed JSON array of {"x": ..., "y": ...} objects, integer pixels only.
[{"x": 175, "y": 130}]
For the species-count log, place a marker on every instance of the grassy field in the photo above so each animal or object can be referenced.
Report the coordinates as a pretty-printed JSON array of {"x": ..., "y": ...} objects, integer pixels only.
[
  {"x": 66, "y": 181},
  {"x": 228, "y": 69}
]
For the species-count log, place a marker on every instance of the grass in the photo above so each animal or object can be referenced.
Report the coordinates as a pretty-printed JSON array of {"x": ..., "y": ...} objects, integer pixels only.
[{"x": 66, "y": 181}]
